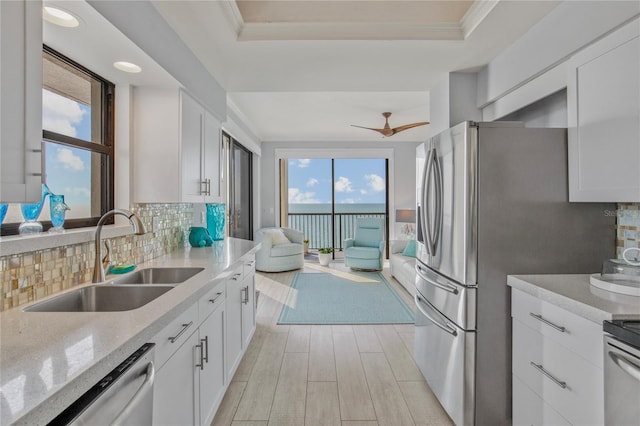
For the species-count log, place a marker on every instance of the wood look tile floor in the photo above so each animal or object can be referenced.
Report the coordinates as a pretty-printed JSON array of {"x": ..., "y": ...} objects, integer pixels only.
[{"x": 333, "y": 375}]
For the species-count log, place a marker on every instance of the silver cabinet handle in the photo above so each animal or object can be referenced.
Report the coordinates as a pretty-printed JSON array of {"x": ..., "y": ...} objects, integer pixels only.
[
  {"x": 215, "y": 298},
  {"x": 142, "y": 391},
  {"x": 546, "y": 321},
  {"x": 629, "y": 367},
  {"x": 206, "y": 348},
  {"x": 445, "y": 327},
  {"x": 445, "y": 287},
  {"x": 184, "y": 328},
  {"x": 235, "y": 277},
  {"x": 541, "y": 369},
  {"x": 245, "y": 295},
  {"x": 201, "y": 346}
]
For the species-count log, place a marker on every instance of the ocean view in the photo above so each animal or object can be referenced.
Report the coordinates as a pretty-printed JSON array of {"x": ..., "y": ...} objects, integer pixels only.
[{"x": 340, "y": 208}]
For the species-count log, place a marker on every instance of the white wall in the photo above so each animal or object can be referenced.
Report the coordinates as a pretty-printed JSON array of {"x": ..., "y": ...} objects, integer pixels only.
[
  {"x": 452, "y": 101},
  {"x": 550, "y": 111},
  {"x": 402, "y": 165}
]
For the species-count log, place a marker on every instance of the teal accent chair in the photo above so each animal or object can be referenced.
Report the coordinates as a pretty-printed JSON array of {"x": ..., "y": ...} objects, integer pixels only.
[
  {"x": 366, "y": 248},
  {"x": 272, "y": 257}
]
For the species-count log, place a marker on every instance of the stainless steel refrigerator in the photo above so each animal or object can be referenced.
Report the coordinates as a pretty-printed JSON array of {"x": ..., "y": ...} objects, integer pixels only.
[{"x": 492, "y": 200}]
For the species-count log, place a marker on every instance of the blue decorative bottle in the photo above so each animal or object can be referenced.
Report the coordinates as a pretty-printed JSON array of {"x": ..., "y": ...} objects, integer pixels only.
[
  {"x": 57, "y": 210},
  {"x": 30, "y": 212},
  {"x": 215, "y": 220}
]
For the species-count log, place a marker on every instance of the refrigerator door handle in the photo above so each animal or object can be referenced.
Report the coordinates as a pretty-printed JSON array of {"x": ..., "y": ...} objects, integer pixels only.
[
  {"x": 433, "y": 319},
  {"x": 437, "y": 170},
  {"x": 426, "y": 192},
  {"x": 445, "y": 287}
]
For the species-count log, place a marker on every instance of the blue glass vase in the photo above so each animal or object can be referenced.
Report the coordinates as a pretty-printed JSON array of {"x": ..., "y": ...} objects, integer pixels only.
[
  {"x": 215, "y": 221},
  {"x": 57, "y": 210},
  {"x": 3, "y": 212},
  {"x": 30, "y": 213}
]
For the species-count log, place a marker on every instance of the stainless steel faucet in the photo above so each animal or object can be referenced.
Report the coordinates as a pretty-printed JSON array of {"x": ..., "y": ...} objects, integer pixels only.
[{"x": 138, "y": 229}]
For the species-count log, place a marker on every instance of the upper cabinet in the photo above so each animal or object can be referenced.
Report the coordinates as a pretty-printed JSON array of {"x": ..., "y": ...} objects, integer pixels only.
[
  {"x": 176, "y": 148},
  {"x": 604, "y": 119},
  {"x": 20, "y": 100}
]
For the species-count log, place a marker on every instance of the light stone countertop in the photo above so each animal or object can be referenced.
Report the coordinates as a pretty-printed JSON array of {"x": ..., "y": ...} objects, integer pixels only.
[
  {"x": 49, "y": 359},
  {"x": 575, "y": 294}
]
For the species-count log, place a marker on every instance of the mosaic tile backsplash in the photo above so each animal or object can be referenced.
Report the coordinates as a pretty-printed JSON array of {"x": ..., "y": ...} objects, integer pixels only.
[
  {"x": 30, "y": 276},
  {"x": 627, "y": 227}
]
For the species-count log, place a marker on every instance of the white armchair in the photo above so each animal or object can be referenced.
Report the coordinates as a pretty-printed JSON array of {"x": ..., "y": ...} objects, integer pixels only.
[{"x": 278, "y": 254}]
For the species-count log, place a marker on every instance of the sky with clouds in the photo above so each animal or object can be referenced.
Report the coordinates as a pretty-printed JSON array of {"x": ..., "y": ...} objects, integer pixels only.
[
  {"x": 68, "y": 169},
  {"x": 356, "y": 181}
]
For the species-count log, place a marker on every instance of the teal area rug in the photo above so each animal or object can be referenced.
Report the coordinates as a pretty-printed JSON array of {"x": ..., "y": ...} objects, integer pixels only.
[{"x": 344, "y": 298}]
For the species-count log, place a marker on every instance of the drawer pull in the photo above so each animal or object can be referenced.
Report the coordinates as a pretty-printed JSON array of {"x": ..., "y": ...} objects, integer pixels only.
[
  {"x": 539, "y": 367},
  {"x": 184, "y": 328},
  {"x": 215, "y": 298},
  {"x": 546, "y": 321},
  {"x": 235, "y": 277}
]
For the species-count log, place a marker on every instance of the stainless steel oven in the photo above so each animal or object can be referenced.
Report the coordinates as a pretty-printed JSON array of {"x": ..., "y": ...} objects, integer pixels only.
[{"x": 622, "y": 373}]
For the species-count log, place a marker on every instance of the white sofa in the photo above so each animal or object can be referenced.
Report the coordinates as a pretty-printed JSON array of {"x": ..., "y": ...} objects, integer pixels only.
[{"x": 402, "y": 268}]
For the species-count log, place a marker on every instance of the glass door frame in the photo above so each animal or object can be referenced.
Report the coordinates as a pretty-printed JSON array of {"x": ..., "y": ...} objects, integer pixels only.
[{"x": 229, "y": 143}]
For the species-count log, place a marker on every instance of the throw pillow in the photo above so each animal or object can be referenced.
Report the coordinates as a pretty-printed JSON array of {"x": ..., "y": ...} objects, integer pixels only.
[
  {"x": 410, "y": 249},
  {"x": 277, "y": 236}
]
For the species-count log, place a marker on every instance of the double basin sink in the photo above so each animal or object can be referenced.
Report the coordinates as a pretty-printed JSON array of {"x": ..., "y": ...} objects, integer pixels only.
[{"x": 131, "y": 291}]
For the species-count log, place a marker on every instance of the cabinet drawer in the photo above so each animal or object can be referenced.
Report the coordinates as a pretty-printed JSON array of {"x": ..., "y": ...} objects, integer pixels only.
[
  {"x": 568, "y": 329},
  {"x": 249, "y": 266},
  {"x": 171, "y": 337},
  {"x": 210, "y": 301},
  {"x": 530, "y": 409},
  {"x": 237, "y": 273},
  {"x": 570, "y": 384}
]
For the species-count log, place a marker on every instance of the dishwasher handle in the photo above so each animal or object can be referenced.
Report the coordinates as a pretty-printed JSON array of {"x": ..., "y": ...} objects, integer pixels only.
[{"x": 137, "y": 398}]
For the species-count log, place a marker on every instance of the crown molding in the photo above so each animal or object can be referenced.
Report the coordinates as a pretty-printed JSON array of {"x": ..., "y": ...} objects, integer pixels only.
[
  {"x": 232, "y": 12},
  {"x": 349, "y": 31},
  {"x": 478, "y": 11}
]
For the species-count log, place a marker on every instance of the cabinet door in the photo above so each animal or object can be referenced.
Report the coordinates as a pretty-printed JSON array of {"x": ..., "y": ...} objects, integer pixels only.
[
  {"x": 175, "y": 389},
  {"x": 604, "y": 119},
  {"x": 234, "y": 322},
  {"x": 212, "y": 373},
  {"x": 191, "y": 136},
  {"x": 211, "y": 152},
  {"x": 248, "y": 308},
  {"x": 20, "y": 100}
]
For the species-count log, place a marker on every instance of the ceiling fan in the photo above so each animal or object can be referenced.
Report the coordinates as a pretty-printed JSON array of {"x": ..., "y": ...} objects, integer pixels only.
[{"x": 388, "y": 131}]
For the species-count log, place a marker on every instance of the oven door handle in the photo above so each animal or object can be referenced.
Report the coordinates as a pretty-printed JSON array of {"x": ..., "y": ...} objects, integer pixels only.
[
  {"x": 142, "y": 391},
  {"x": 445, "y": 287},
  {"x": 445, "y": 327},
  {"x": 628, "y": 366}
]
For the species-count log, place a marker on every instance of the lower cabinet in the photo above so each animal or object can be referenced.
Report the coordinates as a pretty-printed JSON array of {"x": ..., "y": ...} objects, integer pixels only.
[
  {"x": 241, "y": 312},
  {"x": 557, "y": 365},
  {"x": 190, "y": 379}
]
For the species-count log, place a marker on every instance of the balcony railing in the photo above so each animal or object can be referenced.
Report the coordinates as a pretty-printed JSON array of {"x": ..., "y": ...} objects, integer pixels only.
[{"x": 317, "y": 227}]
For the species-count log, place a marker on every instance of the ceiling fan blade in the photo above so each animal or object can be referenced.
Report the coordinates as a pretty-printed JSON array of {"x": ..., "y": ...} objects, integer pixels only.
[
  {"x": 384, "y": 132},
  {"x": 408, "y": 126}
]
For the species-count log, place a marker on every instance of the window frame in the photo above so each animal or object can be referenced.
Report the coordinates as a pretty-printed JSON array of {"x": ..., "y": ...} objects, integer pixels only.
[{"x": 106, "y": 149}]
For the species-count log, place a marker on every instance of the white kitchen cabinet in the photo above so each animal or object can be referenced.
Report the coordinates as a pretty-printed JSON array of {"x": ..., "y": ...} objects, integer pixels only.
[
  {"x": 604, "y": 119},
  {"x": 190, "y": 382},
  {"x": 20, "y": 100},
  {"x": 176, "y": 148},
  {"x": 241, "y": 312},
  {"x": 556, "y": 364}
]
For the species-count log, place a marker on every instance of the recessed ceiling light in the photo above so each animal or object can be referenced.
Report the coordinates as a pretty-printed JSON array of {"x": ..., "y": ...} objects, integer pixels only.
[
  {"x": 127, "y": 67},
  {"x": 59, "y": 17}
]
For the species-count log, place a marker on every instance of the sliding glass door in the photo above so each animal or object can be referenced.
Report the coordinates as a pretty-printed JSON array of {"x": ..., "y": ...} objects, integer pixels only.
[
  {"x": 325, "y": 197},
  {"x": 240, "y": 189}
]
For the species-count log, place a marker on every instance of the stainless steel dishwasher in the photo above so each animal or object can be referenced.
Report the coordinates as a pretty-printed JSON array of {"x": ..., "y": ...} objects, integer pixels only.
[
  {"x": 622, "y": 373},
  {"x": 122, "y": 397}
]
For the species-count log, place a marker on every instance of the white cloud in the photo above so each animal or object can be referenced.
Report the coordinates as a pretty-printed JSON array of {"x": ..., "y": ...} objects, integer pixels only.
[
  {"x": 363, "y": 191},
  {"x": 375, "y": 182},
  {"x": 299, "y": 197},
  {"x": 60, "y": 114},
  {"x": 312, "y": 182},
  {"x": 78, "y": 191},
  {"x": 69, "y": 160},
  {"x": 348, "y": 201},
  {"x": 343, "y": 184},
  {"x": 303, "y": 162}
]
